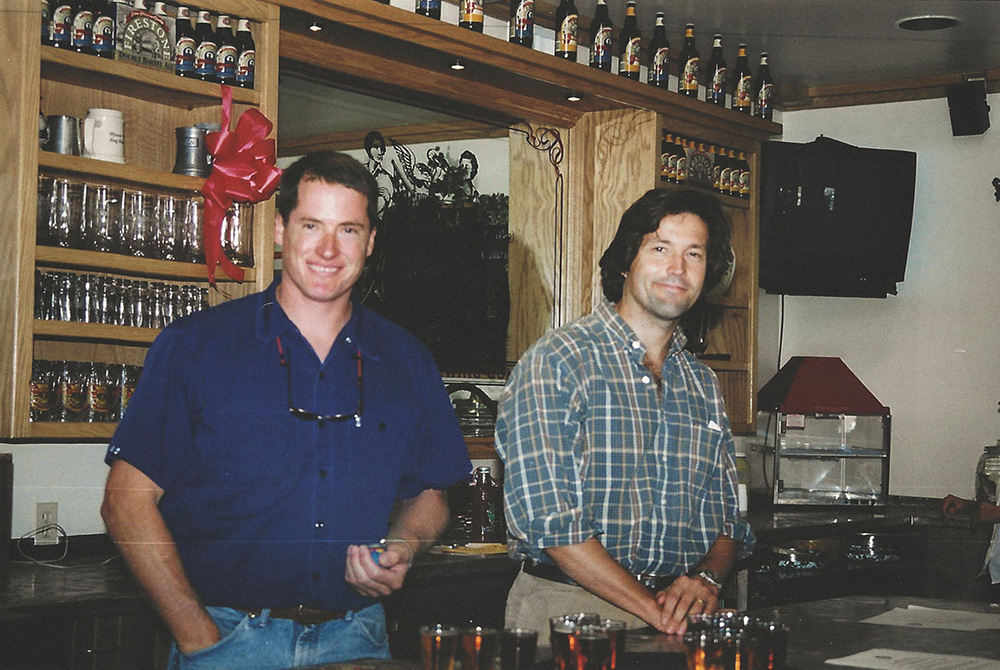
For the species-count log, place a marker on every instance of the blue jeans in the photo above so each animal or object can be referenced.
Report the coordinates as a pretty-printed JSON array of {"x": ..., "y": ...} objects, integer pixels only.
[{"x": 264, "y": 643}]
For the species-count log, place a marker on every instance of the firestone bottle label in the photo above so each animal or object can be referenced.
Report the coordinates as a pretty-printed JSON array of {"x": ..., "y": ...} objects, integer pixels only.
[
  {"x": 184, "y": 59},
  {"x": 104, "y": 34},
  {"x": 719, "y": 84},
  {"x": 204, "y": 58},
  {"x": 472, "y": 11},
  {"x": 523, "y": 26},
  {"x": 630, "y": 57},
  {"x": 83, "y": 29},
  {"x": 689, "y": 80},
  {"x": 659, "y": 71},
  {"x": 245, "y": 67},
  {"x": 566, "y": 37},
  {"x": 744, "y": 88},
  {"x": 62, "y": 24},
  {"x": 600, "y": 51},
  {"x": 764, "y": 100}
]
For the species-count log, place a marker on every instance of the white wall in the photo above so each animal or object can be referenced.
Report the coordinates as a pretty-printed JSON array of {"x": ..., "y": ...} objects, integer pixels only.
[{"x": 931, "y": 353}]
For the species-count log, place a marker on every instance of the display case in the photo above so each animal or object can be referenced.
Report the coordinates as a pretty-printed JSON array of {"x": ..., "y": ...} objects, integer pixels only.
[{"x": 831, "y": 459}]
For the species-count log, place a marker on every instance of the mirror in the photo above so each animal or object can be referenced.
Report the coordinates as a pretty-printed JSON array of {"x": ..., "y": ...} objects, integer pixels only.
[{"x": 439, "y": 268}]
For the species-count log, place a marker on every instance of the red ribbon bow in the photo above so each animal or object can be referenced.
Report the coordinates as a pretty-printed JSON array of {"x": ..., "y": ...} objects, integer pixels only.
[{"x": 243, "y": 170}]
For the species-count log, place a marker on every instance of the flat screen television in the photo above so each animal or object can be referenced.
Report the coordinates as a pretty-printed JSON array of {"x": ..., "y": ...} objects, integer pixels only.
[{"x": 835, "y": 218}]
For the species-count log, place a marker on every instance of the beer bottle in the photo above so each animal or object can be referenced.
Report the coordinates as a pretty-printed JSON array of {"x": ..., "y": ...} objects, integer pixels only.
[
  {"x": 81, "y": 38},
  {"x": 687, "y": 77},
  {"x": 600, "y": 37},
  {"x": 725, "y": 171},
  {"x": 742, "y": 82},
  {"x": 733, "y": 185},
  {"x": 186, "y": 44},
  {"x": 629, "y": 40},
  {"x": 431, "y": 8},
  {"x": 658, "y": 72},
  {"x": 716, "y": 165},
  {"x": 104, "y": 29},
  {"x": 566, "y": 30},
  {"x": 715, "y": 75},
  {"x": 487, "y": 508},
  {"x": 762, "y": 90},
  {"x": 681, "y": 145},
  {"x": 744, "y": 183},
  {"x": 61, "y": 23},
  {"x": 522, "y": 22},
  {"x": 246, "y": 57},
  {"x": 225, "y": 55},
  {"x": 665, "y": 143},
  {"x": 42, "y": 390},
  {"x": 207, "y": 46},
  {"x": 46, "y": 22},
  {"x": 471, "y": 16}
]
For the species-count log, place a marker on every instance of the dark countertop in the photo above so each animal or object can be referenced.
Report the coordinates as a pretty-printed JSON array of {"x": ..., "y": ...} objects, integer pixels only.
[{"x": 103, "y": 580}]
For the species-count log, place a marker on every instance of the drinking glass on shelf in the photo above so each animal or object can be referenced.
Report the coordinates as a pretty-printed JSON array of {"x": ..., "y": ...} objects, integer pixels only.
[
  {"x": 63, "y": 229},
  {"x": 44, "y": 208},
  {"x": 237, "y": 233},
  {"x": 191, "y": 231},
  {"x": 102, "y": 217},
  {"x": 165, "y": 238},
  {"x": 137, "y": 222}
]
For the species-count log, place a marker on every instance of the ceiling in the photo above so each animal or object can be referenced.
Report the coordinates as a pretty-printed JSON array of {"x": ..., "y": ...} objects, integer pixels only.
[{"x": 814, "y": 46}]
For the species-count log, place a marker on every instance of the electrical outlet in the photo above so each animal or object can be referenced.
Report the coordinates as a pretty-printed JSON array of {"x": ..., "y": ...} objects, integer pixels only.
[{"x": 46, "y": 516}]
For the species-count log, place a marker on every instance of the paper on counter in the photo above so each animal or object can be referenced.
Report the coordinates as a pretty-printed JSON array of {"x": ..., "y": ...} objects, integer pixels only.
[
  {"x": 915, "y": 616},
  {"x": 895, "y": 659}
]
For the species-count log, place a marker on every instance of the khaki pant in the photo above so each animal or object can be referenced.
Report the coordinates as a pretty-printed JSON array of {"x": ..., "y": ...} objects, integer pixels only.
[{"x": 533, "y": 600}]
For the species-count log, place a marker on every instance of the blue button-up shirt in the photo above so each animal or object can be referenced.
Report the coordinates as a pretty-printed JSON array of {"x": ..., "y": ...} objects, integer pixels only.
[
  {"x": 592, "y": 448},
  {"x": 262, "y": 505}
]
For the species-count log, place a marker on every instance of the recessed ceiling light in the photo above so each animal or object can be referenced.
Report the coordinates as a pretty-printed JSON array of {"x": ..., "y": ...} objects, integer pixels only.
[
  {"x": 315, "y": 26},
  {"x": 573, "y": 96},
  {"x": 927, "y": 23},
  {"x": 457, "y": 64}
]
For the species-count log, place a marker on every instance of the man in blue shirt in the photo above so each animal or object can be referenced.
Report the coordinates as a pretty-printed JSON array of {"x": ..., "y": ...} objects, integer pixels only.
[
  {"x": 267, "y": 442},
  {"x": 620, "y": 476}
]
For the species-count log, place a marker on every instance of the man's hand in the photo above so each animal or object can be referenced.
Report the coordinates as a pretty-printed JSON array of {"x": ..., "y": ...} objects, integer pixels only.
[
  {"x": 953, "y": 505},
  {"x": 375, "y": 580},
  {"x": 687, "y": 595}
]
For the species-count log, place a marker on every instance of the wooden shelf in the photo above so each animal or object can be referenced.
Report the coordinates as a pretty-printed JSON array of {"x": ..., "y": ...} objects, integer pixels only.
[
  {"x": 72, "y": 431},
  {"x": 152, "y": 268},
  {"x": 93, "y": 332},
  {"x": 481, "y": 447},
  {"x": 92, "y": 170},
  {"x": 149, "y": 84}
]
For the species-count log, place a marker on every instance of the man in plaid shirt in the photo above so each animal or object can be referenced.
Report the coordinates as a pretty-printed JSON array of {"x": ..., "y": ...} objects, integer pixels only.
[{"x": 620, "y": 477}]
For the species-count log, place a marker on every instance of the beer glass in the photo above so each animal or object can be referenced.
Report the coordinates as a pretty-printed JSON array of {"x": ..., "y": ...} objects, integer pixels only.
[
  {"x": 194, "y": 250},
  {"x": 437, "y": 646},
  {"x": 479, "y": 648},
  {"x": 517, "y": 648},
  {"x": 102, "y": 217},
  {"x": 616, "y": 634},
  {"x": 167, "y": 229},
  {"x": 63, "y": 228}
]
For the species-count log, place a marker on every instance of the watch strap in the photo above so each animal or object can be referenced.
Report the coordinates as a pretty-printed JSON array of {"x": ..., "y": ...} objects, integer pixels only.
[{"x": 708, "y": 575}]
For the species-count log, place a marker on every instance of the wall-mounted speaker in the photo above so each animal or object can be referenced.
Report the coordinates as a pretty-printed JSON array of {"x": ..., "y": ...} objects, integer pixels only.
[{"x": 970, "y": 115}]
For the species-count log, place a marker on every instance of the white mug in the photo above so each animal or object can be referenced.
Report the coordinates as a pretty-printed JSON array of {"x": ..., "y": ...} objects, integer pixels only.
[{"x": 104, "y": 135}]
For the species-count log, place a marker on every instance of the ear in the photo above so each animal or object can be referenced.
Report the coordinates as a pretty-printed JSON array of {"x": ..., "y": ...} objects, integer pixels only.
[
  {"x": 371, "y": 242},
  {"x": 279, "y": 229}
]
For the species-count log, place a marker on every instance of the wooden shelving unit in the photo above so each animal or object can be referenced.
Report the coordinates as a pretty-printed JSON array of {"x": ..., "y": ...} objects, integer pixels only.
[{"x": 153, "y": 103}]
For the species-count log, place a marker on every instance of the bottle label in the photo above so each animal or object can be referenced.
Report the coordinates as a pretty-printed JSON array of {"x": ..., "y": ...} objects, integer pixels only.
[
  {"x": 764, "y": 100},
  {"x": 600, "y": 50},
  {"x": 566, "y": 37},
  {"x": 83, "y": 29},
  {"x": 672, "y": 167},
  {"x": 428, "y": 6},
  {"x": 629, "y": 60},
  {"x": 682, "y": 168},
  {"x": 659, "y": 69},
  {"x": 743, "y": 88},
  {"x": 245, "y": 67},
  {"x": 472, "y": 11},
  {"x": 184, "y": 58},
  {"x": 98, "y": 398},
  {"x": 522, "y": 26},
  {"x": 689, "y": 81},
  {"x": 725, "y": 177},
  {"x": 225, "y": 62},
  {"x": 41, "y": 396},
  {"x": 718, "y": 93},
  {"x": 744, "y": 182},
  {"x": 73, "y": 397},
  {"x": 62, "y": 23},
  {"x": 104, "y": 34},
  {"x": 204, "y": 57}
]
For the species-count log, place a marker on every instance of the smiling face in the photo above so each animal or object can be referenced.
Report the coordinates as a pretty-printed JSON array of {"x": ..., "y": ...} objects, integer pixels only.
[
  {"x": 667, "y": 275},
  {"x": 325, "y": 242}
]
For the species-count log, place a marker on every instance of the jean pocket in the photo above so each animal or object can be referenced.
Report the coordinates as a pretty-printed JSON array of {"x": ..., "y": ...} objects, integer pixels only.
[{"x": 227, "y": 652}]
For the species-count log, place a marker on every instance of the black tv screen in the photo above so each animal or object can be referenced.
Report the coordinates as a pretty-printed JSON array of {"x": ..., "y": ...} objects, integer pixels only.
[{"x": 835, "y": 218}]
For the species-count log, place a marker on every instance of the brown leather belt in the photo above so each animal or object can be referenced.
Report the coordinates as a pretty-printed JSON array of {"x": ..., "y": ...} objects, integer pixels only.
[
  {"x": 299, "y": 614},
  {"x": 548, "y": 571}
]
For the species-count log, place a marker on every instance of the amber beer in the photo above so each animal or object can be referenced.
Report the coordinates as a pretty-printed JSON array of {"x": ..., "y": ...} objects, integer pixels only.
[
  {"x": 564, "y": 645},
  {"x": 437, "y": 647},
  {"x": 517, "y": 649},
  {"x": 479, "y": 648},
  {"x": 594, "y": 648},
  {"x": 616, "y": 636}
]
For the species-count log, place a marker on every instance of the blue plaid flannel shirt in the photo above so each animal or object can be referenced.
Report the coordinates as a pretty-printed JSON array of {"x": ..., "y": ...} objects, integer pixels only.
[{"x": 591, "y": 448}]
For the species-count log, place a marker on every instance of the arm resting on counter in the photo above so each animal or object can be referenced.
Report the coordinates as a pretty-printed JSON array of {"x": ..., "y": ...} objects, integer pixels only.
[
  {"x": 591, "y": 566},
  {"x": 979, "y": 512},
  {"x": 420, "y": 522},
  {"x": 692, "y": 595},
  {"x": 131, "y": 513}
]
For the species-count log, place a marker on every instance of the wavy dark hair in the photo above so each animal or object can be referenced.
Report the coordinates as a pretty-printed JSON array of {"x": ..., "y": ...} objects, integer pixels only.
[
  {"x": 644, "y": 217},
  {"x": 330, "y": 167}
]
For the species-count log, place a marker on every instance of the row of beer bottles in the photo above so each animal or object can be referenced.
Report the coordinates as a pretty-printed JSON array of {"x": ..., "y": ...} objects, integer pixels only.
[
  {"x": 204, "y": 49},
  {"x": 730, "y": 170}
]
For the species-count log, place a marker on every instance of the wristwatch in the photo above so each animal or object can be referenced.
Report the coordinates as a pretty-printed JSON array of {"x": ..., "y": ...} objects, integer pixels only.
[{"x": 708, "y": 575}]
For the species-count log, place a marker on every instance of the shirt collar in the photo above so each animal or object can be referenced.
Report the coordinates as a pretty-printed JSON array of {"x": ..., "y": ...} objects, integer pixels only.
[{"x": 622, "y": 332}]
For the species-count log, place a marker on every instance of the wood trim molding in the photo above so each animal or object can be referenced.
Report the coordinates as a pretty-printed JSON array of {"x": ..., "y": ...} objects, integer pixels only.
[
  {"x": 877, "y": 92},
  {"x": 447, "y": 131}
]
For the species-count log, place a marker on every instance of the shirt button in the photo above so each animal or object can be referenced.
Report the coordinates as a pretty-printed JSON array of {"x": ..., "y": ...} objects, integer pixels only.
[
  {"x": 320, "y": 524},
  {"x": 645, "y": 379},
  {"x": 636, "y": 344},
  {"x": 348, "y": 340}
]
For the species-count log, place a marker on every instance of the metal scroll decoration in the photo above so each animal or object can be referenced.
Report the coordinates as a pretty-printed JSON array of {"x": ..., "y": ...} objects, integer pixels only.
[{"x": 550, "y": 141}]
